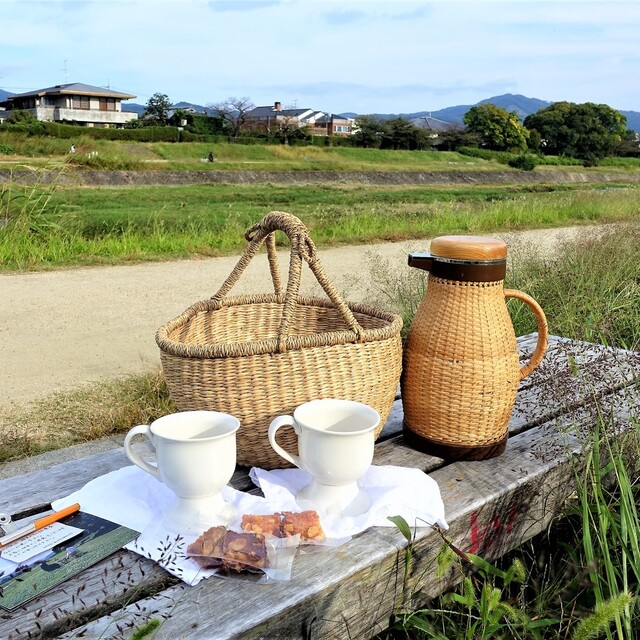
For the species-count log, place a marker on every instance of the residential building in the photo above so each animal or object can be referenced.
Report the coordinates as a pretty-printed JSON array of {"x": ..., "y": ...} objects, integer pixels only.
[
  {"x": 269, "y": 118},
  {"x": 333, "y": 125},
  {"x": 75, "y": 103}
]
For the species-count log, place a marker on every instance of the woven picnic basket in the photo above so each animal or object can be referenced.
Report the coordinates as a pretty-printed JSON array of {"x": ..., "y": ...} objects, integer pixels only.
[{"x": 260, "y": 356}]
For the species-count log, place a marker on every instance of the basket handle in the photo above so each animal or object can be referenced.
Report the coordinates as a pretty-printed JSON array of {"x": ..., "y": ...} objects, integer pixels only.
[
  {"x": 256, "y": 241},
  {"x": 543, "y": 330},
  {"x": 302, "y": 248}
]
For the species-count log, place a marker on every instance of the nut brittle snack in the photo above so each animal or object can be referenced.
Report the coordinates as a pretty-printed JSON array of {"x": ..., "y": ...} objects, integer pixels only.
[
  {"x": 219, "y": 548},
  {"x": 244, "y": 551},
  {"x": 305, "y": 523},
  {"x": 267, "y": 524},
  {"x": 207, "y": 549}
]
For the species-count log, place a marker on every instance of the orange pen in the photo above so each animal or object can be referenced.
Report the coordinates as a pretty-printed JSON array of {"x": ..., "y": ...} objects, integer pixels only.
[{"x": 38, "y": 524}]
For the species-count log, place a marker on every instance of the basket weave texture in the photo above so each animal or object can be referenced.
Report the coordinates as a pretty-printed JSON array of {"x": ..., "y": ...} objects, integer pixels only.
[
  {"x": 260, "y": 356},
  {"x": 461, "y": 363}
]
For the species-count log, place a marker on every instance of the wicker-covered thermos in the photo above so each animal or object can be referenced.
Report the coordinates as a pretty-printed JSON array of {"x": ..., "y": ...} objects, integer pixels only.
[{"x": 461, "y": 367}]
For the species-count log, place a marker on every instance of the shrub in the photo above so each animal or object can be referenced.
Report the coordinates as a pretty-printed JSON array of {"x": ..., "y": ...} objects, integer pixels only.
[
  {"x": 525, "y": 162},
  {"x": 502, "y": 157},
  {"x": 143, "y": 134},
  {"x": 6, "y": 149}
]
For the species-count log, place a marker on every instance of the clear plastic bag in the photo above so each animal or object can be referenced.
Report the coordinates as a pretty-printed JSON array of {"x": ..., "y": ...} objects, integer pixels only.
[{"x": 229, "y": 553}]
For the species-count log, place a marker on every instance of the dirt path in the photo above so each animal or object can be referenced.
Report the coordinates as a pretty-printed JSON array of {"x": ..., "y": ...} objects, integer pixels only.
[{"x": 63, "y": 329}]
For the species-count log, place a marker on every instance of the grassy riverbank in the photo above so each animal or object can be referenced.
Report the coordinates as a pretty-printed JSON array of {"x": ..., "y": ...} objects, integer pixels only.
[{"x": 50, "y": 226}]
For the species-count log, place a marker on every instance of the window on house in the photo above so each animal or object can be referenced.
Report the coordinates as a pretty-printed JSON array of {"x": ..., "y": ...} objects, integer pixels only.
[
  {"x": 107, "y": 104},
  {"x": 80, "y": 102},
  {"x": 342, "y": 129}
]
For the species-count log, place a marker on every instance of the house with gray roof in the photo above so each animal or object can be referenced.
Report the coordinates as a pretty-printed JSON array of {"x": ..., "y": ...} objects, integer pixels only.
[
  {"x": 76, "y": 103},
  {"x": 432, "y": 124},
  {"x": 269, "y": 118}
]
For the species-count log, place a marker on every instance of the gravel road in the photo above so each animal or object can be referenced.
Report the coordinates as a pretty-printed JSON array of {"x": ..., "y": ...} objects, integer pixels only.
[{"x": 63, "y": 329}]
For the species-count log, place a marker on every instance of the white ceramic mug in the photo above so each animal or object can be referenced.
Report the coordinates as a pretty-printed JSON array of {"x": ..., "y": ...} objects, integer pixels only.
[
  {"x": 335, "y": 444},
  {"x": 196, "y": 457}
]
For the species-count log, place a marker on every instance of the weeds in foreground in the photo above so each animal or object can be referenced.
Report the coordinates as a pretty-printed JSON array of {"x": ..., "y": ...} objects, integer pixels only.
[
  {"x": 481, "y": 607},
  {"x": 609, "y": 495},
  {"x": 589, "y": 287},
  {"x": 25, "y": 209},
  {"x": 593, "y": 595}
]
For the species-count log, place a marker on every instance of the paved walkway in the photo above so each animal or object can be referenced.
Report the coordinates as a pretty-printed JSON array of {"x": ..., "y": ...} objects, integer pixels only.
[{"x": 63, "y": 329}]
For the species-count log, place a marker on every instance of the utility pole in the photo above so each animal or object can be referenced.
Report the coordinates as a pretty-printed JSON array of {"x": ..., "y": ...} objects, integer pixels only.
[{"x": 66, "y": 77}]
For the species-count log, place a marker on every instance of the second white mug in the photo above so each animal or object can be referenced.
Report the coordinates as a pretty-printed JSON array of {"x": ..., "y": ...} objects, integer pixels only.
[{"x": 335, "y": 444}]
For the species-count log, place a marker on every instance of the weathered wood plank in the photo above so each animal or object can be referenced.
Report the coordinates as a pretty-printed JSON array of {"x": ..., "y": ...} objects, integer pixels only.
[
  {"x": 573, "y": 374},
  {"x": 492, "y": 506}
]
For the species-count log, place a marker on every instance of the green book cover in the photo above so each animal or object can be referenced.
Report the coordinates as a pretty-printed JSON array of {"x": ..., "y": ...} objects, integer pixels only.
[{"x": 99, "y": 539}]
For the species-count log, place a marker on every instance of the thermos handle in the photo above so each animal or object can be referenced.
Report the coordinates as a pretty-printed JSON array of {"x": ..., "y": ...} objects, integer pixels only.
[{"x": 543, "y": 330}]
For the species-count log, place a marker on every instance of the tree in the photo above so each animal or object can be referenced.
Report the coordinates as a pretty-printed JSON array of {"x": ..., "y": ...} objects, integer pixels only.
[
  {"x": 588, "y": 131},
  {"x": 234, "y": 113},
  {"x": 288, "y": 130},
  {"x": 367, "y": 131},
  {"x": 455, "y": 137},
  {"x": 157, "y": 109},
  {"x": 202, "y": 124},
  {"x": 498, "y": 128},
  {"x": 180, "y": 118},
  {"x": 400, "y": 133},
  {"x": 629, "y": 146},
  {"x": 21, "y": 117}
]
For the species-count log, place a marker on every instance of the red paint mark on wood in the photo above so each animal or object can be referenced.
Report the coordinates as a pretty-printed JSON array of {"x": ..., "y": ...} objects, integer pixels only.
[{"x": 495, "y": 529}]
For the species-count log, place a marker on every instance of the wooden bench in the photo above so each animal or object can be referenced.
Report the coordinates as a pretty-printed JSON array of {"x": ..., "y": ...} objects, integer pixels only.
[{"x": 492, "y": 506}]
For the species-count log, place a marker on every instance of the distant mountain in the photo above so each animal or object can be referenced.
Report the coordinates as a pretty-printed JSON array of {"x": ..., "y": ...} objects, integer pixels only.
[
  {"x": 132, "y": 107},
  {"x": 139, "y": 108},
  {"x": 633, "y": 120},
  {"x": 522, "y": 105},
  {"x": 4, "y": 94}
]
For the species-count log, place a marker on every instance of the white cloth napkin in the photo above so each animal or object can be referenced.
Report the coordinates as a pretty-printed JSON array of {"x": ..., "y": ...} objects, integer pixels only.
[
  {"x": 394, "y": 491},
  {"x": 133, "y": 498}
]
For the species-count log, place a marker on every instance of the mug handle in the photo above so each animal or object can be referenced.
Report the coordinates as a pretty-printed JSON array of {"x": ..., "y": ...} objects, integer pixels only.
[
  {"x": 134, "y": 457},
  {"x": 543, "y": 330},
  {"x": 282, "y": 421}
]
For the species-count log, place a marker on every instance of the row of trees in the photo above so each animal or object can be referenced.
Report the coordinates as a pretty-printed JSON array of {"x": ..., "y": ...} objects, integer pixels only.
[{"x": 586, "y": 131}]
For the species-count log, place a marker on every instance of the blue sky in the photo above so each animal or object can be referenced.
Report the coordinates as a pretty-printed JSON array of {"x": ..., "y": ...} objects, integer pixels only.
[{"x": 366, "y": 56}]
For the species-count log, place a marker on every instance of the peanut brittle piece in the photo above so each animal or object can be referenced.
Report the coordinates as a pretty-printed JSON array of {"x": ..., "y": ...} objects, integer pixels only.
[
  {"x": 207, "y": 549},
  {"x": 305, "y": 523},
  {"x": 244, "y": 551},
  {"x": 270, "y": 524}
]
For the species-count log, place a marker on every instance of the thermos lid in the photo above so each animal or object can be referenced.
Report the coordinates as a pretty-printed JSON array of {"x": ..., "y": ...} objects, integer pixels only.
[
  {"x": 464, "y": 258},
  {"x": 474, "y": 248}
]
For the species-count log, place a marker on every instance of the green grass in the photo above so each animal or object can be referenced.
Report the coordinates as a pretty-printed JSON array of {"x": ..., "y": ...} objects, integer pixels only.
[
  {"x": 88, "y": 226},
  {"x": 183, "y": 156}
]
